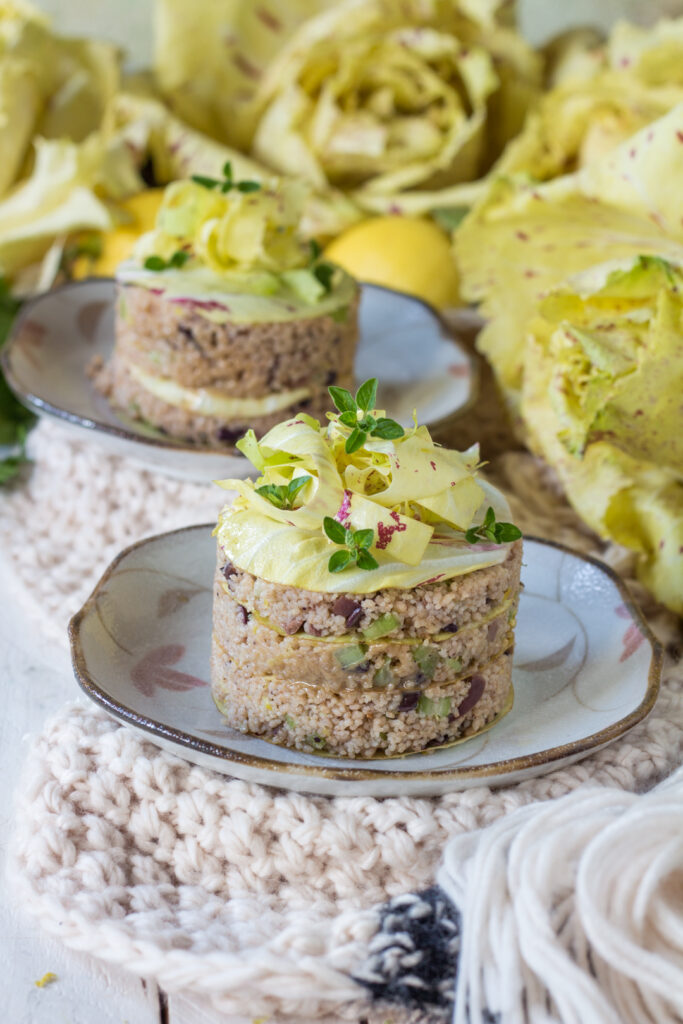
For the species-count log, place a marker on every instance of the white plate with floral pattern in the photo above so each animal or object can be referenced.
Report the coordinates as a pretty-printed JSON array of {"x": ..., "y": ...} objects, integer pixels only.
[
  {"x": 586, "y": 670},
  {"x": 402, "y": 341}
]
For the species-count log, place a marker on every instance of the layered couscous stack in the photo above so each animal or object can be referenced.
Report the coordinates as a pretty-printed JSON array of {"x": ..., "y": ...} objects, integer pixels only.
[
  {"x": 226, "y": 318},
  {"x": 366, "y": 589}
]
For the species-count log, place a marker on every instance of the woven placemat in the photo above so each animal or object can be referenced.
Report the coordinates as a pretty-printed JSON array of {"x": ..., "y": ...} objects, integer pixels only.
[{"x": 267, "y": 902}]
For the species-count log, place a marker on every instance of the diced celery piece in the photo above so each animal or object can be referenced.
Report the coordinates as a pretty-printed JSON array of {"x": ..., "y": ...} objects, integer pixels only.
[
  {"x": 305, "y": 285},
  {"x": 427, "y": 659},
  {"x": 317, "y": 742},
  {"x": 381, "y": 626},
  {"x": 383, "y": 676},
  {"x": 454, "y": 664},
  {"x": 438, "y": 708},
  {"x": 349, "y": 657},
  {"x": 290, "y": 721}
]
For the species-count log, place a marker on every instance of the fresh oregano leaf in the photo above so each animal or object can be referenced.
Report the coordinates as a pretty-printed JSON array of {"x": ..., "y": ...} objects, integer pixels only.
[
  {"x": 343, "y": 399},
  {"x": 367, "y": 561},
  {"x": 349, "y": 419},
  {"x": 363, "y": 538},
  {"x": 155, "y": 263},
  {"x": 201, "y": 179},
  {"x": 387, "y": 430},
  {"x": 334, "y": 530},
  {"x": 338, "y": 561},
  {"x": 355, "y": 440},
  {"x": 366, "y": 396}
]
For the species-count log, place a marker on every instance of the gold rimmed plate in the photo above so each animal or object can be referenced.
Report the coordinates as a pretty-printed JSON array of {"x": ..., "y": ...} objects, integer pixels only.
[
  {"x": 402, "y": 341},
  {"x": 586, "y": 670}
]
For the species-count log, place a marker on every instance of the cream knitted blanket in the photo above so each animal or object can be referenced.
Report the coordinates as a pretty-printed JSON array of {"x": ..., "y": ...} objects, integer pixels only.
[{"x": 306, "y": 907}]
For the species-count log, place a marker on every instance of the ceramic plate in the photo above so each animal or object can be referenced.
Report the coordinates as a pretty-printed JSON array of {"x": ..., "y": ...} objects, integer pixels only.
[
  {"x": 402, "y": 342},
  {"x": 586, "y": 670}
]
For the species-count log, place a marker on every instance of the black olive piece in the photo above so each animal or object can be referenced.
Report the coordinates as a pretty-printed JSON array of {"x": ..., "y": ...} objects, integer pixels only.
[{"x": 409, "y": 701}]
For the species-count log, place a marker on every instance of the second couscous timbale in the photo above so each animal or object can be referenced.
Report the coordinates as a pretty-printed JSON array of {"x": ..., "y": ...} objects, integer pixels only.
[{"x": 226, "y": 317}]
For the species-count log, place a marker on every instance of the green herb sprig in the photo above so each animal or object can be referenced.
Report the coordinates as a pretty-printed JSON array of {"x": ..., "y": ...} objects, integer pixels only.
[
  {"x": 227, "y": 182},
  {"x": 283, "y": 495},
  {"x": 355, "y": 544},
  {"x": 323, "y": 272},
  {"x": 15, "y": 419},
  {"x": 177, "y": 260},
  {"x": 356, "y": 413},
  {"x": 497, "y": 533}
]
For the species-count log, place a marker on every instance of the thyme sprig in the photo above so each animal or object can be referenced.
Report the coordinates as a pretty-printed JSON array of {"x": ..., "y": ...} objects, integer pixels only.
[
  {"x": 356, "y": 413},
  {"x": 354, "y": 544},
  {"x": 177, "y": 260},
  {"x": 227, "y": 182},
  {"x": 497, "y": 533},
  {"x": 283, "y": 495}
]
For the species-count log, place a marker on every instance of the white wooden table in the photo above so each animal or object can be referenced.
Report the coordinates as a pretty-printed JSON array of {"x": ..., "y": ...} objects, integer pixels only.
[{"x": 35, "y": 680}]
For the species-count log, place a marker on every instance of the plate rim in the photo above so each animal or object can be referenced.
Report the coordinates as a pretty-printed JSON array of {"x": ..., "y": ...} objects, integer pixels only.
[
  {"x": 574, "y": 749},
  {"x": 43, "y": 407}
]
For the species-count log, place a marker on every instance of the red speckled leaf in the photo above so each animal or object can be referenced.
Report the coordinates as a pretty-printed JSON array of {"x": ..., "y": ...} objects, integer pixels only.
[
  {"x": 152, "y": 671},
  {"x": 553, "y": 660}
]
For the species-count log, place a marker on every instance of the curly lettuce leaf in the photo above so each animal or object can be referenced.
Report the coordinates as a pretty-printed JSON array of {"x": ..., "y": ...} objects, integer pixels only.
[
  {"x": 402, "y": 103},
  {"x": 210, "y": 55},
  {"x": 614, "y": 336},
  {"x": 636, "y": 503}
]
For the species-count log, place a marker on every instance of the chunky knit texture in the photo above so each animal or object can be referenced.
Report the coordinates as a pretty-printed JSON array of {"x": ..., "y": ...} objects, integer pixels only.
[{"x": 267, "y": 902}]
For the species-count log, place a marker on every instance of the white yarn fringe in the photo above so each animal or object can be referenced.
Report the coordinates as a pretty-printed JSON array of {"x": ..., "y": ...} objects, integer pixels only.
[{"x": 572, "y": 911}]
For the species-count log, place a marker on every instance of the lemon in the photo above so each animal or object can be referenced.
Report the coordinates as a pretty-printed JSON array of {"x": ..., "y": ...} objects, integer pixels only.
[
  {"x": 410, "y": 254},
  {"x": 141, "y": 211}
]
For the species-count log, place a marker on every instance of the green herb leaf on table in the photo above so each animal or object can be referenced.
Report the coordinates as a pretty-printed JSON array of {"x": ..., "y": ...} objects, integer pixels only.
[
  {"x": 496, "y": 533},
  {"x": 15, "y": 419},
  {"x": 356, "y": 414},
  {"x": 356, "y": 544}
]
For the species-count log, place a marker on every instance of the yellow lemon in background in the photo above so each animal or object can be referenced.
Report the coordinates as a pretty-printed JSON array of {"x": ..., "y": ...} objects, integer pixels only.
[
  {"x": 410, "y": 254},
  {"x": 141, "y": 211}
]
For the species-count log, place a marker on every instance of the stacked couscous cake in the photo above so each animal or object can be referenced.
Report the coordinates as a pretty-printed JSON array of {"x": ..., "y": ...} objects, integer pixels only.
[
  {"x": 226, "y": 318},
  {"x": 366, "y": 589}
]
